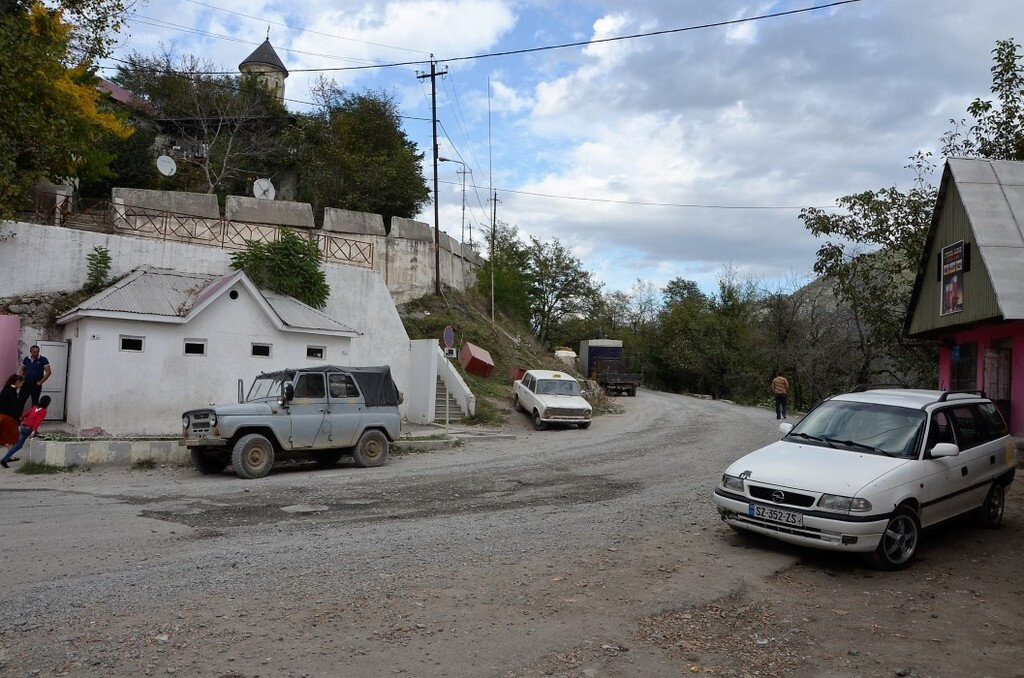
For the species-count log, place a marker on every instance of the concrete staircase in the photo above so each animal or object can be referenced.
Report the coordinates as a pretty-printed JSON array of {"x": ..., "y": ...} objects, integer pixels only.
[{"x": 445, "y": 402}]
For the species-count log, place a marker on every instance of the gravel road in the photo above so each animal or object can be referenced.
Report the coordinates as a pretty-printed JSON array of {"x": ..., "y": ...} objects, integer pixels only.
[{"x": 563, "y": 552}]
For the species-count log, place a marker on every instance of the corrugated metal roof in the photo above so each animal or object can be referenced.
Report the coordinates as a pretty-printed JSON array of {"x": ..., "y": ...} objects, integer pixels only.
[
  {"x": 296, "y": 314},
  {"x": 150, "y": 291},
  {"x": 992, "y": 192},
  {"x": 164, "y": 292}
]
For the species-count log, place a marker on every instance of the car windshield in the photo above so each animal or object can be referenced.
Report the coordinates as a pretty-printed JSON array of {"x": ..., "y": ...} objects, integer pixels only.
[
  {"x": 569, "y": 387},
  {"x": 868, "y": 427},
  {"x": 266, "y": 388}
]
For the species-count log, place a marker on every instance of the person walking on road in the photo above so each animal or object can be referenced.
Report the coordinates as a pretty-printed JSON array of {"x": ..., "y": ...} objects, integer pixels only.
[
  {"x": 35, "y": 369},
  {"x": 10, "y": 410},
  {"x": 780, "y": 389},
  {"x": 30, "y": 422}
]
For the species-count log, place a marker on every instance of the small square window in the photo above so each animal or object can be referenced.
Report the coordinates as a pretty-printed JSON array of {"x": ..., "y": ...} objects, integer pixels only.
[
  {"x": 315, "y": 352},
  {"x": 133, "y": 344},
  {"x": 195, "y": 347},
  {"x": 261, "y": 350}
]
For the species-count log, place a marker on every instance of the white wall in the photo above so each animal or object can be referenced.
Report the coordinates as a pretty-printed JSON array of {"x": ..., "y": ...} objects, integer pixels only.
[
  {"x": 126, "y": 392},
  {"x": 423, "y": 381},
  {"x": 46, "y": 259}
]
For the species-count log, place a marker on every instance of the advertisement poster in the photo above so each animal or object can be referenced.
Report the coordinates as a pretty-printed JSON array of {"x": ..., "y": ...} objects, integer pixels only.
[{"x": 952, "y": 278}]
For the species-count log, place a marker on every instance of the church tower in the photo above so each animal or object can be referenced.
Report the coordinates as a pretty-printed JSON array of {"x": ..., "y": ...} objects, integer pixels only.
[{"x": 268, "y": 67}]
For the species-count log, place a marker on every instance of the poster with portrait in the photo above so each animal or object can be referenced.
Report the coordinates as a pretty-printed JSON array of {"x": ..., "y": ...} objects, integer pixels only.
[{"x": 952, "y": 279}]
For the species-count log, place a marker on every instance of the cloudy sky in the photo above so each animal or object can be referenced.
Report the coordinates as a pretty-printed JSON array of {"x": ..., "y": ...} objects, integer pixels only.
[{"x": 673, "y": 155}]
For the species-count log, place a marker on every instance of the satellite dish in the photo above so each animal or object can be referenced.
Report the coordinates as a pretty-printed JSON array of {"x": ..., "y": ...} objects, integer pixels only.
[
  {"x": 262, "y": 188},
  {"x": 166, "y": 165}
]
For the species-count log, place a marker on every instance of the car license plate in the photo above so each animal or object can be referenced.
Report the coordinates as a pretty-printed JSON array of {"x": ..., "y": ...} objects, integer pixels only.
[{"x": 776, "y": 515}]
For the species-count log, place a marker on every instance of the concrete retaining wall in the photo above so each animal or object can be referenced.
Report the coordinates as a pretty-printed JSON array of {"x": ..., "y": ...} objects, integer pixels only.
[
  {"x": 94, "y": 452},
  {"x": 144, "y": 201},
  {"x": 262, "y": 211}
]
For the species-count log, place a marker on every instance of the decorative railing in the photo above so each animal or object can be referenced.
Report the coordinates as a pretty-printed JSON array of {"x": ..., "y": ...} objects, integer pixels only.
[{"x": 117, "y": 217}]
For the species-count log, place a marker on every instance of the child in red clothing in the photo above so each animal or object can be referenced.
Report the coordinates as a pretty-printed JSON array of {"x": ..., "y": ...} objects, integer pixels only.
[{"x": 30, "y": 422}]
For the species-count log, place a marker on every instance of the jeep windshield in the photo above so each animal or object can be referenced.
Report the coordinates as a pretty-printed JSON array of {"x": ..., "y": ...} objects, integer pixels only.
[
  {"x": 267, "y": 387},
  {"x": 862, "y": 427},
  {"x": 569, "y": 387}
]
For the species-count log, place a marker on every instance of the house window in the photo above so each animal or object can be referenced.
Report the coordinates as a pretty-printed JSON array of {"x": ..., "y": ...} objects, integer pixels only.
[
  {"x": 133, "y": 344},
  {"x": 261, "y": 350},
  {"x": 195, "y": 347},
  {"x": 315, "y": 352}
]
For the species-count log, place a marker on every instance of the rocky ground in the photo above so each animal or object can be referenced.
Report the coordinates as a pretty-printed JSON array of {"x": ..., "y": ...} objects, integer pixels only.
[{"x": 562, "y": 552}]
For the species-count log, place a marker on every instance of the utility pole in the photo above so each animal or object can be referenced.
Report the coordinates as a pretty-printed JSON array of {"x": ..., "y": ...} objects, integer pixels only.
[
  {"x": 494, "y": 228},
  {"x": 433, "y": 119}
]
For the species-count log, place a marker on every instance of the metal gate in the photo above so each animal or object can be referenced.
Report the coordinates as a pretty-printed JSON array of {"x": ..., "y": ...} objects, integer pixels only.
[{"x": 56, "y": 386}]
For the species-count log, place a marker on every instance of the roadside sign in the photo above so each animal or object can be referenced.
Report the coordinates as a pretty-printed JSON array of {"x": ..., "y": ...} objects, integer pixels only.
[{"x": 449, "y": 337}]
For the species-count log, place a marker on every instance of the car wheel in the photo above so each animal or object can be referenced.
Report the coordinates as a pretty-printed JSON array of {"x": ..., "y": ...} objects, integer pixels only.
[
  {"x": 327, "y": 457},
  {"x": 538, "y": 423},
  {"x": 252, "y": 456},
  {"x": 207, "y": 463},
  {"x": 899, "y": 541},
  {"x": 371, "y": 450},
  {"x": 515, "y": 402},
  {"x": 632, "y": 392},
  {"x": 990, "y": 514},
  {"x": 584, "y": 424}
]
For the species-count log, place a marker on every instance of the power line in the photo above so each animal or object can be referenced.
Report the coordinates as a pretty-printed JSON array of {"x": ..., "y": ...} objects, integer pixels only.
[
  {"x": 581, "y": 43},
  {"x": 304, "y": 30}
]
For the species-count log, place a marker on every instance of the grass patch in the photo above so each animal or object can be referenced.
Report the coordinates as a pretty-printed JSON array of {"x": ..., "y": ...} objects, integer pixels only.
[
  {"x": 487, "y": 413},
  {"x": 144, "y": 465},
  {"x": 34, "y": 468}
]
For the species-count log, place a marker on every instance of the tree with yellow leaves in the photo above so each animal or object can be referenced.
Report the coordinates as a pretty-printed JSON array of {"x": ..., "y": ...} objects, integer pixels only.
[{"x": 50, "y": 117}]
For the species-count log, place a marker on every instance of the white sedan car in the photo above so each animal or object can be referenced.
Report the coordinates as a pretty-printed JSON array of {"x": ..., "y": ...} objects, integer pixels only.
[
  {"x": 865, "y": 471},
  {"x": 551, "y": 397}
]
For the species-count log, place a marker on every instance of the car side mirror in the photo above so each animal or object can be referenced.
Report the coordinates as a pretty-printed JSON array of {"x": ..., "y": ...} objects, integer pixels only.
[
  {"x": 785, "y": 428},
  {"x": 944, "y": 450}
]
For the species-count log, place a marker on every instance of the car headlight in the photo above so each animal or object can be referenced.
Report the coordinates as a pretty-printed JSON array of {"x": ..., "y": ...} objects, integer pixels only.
[
  {"x": 184, "y": 421},
  {"x": 213, "y": 419},
  {"x": 586, "y": 413},
  {"x": 835, "y": 502},
  {"x": 732, "y": 482}
]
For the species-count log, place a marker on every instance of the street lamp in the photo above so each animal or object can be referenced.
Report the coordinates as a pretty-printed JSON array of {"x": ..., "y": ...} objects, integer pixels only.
[{"x": 463, "y": 173}]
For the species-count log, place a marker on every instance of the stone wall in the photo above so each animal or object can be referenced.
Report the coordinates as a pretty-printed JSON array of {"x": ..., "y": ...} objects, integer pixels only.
[{"x": 405, "y": 257}]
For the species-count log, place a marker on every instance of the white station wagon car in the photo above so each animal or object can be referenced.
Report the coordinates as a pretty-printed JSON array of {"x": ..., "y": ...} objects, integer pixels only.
[
  {"x": 551, "y": 397},
  {"x": 865, "y": 471}
]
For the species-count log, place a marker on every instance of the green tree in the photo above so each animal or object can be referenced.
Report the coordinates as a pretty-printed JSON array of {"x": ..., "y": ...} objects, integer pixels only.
[
  {"x": 559, "y": 286},
  {"x": 871, "y": 255},
  {"x": 51, "y": 118},
  {"x": 230, "y": 129},
  {"x": 352, "y": 153},
  {"x": 289, "y": 266},
  {"x": 997, "y": 132},
  {"x": 510, "y": 262}
]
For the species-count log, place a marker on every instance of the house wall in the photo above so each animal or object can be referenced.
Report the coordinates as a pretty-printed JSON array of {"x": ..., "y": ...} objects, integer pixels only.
[
  {"x": 139, "y": 393},
  {"x": 986, "y": 337},
  {"x": 979, "y": 297},
  {"x": 47, "y": 259}
]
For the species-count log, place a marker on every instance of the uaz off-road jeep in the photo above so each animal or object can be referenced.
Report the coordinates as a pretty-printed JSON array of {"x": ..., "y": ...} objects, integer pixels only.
[{"x": 319, "y": 412}]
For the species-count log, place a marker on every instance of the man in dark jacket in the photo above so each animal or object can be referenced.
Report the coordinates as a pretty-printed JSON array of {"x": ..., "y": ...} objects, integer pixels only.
[{"x": 35, "y": 370}]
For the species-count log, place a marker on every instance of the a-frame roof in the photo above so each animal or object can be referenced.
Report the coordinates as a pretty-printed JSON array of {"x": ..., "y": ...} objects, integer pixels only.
[
  {"x": 992, "y": 194},
  {"x": 167, "y": 296}
]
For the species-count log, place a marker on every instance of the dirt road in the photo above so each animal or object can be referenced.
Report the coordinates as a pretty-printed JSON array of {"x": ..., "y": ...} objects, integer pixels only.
[{"x": 564, "y": 552}]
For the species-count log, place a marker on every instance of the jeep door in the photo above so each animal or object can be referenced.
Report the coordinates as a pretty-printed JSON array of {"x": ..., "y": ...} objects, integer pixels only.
[
  {"x": 307, "y": 411},
  {"x": 346, "y": 411}
]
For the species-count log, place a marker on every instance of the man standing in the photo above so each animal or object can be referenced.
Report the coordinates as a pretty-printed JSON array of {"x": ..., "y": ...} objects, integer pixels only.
[
  {"x": 35, "y": 370},
  {"x": 780, "y": 389}
]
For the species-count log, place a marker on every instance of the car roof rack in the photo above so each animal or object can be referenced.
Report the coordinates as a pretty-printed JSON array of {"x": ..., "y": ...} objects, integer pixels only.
[
  {"x": 968, "y": 391},
  {"x": 860, "y": 388}
]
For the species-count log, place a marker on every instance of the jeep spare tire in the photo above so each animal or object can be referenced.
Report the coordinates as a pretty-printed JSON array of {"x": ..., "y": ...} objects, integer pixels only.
[
  {"x": 371, "y": 450},
  {"x": 252, "y": 456}
]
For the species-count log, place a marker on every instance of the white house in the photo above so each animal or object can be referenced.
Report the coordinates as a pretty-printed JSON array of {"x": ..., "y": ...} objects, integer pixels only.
[{"x": 159, "y": 342}]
